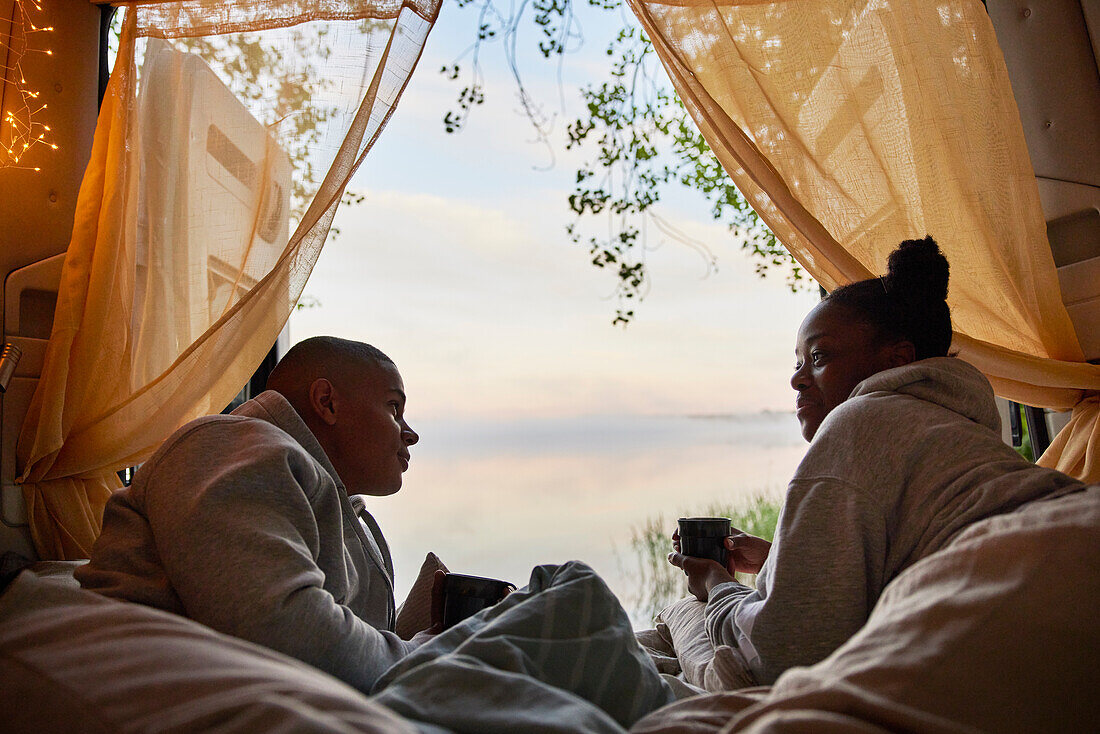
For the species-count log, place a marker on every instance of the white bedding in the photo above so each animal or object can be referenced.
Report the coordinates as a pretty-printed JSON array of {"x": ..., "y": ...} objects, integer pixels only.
[
  {"x": 997, "y": 632},
  {"x": 556, "y": 656}
]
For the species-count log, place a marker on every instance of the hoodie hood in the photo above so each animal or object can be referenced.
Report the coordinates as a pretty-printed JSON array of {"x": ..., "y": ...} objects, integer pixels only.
[
  {"x": 272, "y": 407},
  {"x": 946, "y": 381}
]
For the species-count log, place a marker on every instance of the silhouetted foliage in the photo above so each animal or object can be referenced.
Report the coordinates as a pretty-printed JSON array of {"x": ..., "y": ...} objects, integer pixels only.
[
  {"x": 659, "y": 583},
  {"x": 642, "y": 141}
]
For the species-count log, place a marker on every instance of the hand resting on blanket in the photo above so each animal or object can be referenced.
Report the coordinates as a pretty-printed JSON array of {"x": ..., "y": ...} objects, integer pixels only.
[{"x": 747, "y": 554}]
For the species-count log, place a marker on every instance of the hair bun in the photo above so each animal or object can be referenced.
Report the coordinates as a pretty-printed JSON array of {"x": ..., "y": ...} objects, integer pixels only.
[{"x": 918, "y": 270}]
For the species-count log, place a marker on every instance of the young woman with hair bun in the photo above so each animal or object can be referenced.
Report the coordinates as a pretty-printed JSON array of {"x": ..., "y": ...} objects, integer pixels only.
[{"x": 905, "y": 451}]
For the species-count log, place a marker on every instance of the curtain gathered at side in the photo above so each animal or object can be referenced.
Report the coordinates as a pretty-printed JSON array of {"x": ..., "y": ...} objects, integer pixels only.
[
  {"x": 851, "y": 125},
  {"x": 226, "y": 138}
]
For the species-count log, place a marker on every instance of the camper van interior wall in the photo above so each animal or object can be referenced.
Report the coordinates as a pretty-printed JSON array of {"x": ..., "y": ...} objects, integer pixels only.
[
  {"x": 25, "y": 119},
  {"x": 210, "y": 191}
]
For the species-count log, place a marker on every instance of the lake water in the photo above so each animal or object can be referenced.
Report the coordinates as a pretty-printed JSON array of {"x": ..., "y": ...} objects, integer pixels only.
[{"x": 497, "y": 498}]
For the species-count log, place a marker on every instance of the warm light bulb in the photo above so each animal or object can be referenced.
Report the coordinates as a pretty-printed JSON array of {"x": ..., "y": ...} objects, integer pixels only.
[{"x": 21, "y": 116}]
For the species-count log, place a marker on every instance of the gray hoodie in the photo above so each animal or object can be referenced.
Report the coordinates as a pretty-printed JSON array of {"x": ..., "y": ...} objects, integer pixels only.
[
  {"x": 910, "y": 459},
  {"x": 241, "y": 523}
]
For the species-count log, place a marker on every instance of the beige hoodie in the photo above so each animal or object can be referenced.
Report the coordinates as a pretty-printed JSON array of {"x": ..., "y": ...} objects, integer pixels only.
[
  {"x": 241, "y": 523},
  {"x": 910, "y": 459}
]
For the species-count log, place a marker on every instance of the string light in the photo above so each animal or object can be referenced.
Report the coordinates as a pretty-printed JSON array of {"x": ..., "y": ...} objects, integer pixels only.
[{"x": 24, "y": 129}]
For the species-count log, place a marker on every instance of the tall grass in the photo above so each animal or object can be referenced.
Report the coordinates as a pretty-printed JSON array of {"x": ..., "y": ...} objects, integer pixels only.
[{"x": 659, "y": 582}]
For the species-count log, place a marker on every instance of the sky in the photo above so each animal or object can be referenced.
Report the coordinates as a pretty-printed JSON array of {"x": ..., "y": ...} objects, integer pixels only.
[{"x": 458, "y": 266}]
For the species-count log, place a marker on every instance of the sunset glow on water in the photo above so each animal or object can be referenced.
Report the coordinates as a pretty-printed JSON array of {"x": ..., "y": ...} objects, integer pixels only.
[{"x": 496, "y": 499}]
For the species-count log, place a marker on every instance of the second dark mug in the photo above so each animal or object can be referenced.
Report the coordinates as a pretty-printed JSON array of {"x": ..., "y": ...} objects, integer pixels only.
[
  {"x": 705, "y": 537},
  {"x": 465, "y": 596}
]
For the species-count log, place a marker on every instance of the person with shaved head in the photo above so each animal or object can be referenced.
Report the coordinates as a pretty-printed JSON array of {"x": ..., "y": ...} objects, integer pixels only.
[{"x": 252, "y": 523}]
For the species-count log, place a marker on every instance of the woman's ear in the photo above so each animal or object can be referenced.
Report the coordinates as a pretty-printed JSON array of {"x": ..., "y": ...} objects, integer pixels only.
[
  {"x": 901, "y": 353},
  {"x": 322, "y": 400}
]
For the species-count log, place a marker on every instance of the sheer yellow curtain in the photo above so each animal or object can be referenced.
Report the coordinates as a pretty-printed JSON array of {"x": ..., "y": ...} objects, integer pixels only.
[
  {"x": 851, "y": 125},
  {"x": 227, "y": 135}
]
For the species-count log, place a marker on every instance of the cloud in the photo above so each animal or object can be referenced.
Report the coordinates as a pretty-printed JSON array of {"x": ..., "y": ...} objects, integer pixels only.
[
  {"x": 458, "y": 266},
  {"x": 488, "y": 312}
]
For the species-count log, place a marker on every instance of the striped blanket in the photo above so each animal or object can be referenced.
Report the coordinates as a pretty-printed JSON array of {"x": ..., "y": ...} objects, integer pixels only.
[{"x": 558, "y": 655}]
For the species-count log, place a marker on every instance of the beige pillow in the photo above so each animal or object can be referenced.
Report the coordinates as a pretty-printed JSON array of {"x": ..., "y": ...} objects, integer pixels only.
[{"x": 415, "y": 613}]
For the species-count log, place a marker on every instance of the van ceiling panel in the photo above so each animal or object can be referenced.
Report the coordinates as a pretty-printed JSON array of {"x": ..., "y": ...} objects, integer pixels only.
[{"x": 1051, "y": 62}]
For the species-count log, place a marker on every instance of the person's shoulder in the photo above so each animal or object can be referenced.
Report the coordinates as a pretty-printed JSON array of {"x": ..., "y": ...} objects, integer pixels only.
[
  {"x": 860, "y": 439},
  {"x": 225, "y": 426},
  {"x": 865, "y": 416},
  {"x": 216, "y": 435},
  {"x": 224, "y": 460}
]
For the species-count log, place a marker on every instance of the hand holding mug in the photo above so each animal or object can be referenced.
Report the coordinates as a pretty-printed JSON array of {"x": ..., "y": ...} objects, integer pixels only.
[
  {"x": 746, "y": 553},
  {"x": 710, "y": 552}
]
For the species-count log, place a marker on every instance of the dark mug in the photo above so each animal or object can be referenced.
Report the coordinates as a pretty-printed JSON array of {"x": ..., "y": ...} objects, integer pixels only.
[
  {"x": 465, "y": 596},
  {"x": 705, "y": 537}
]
